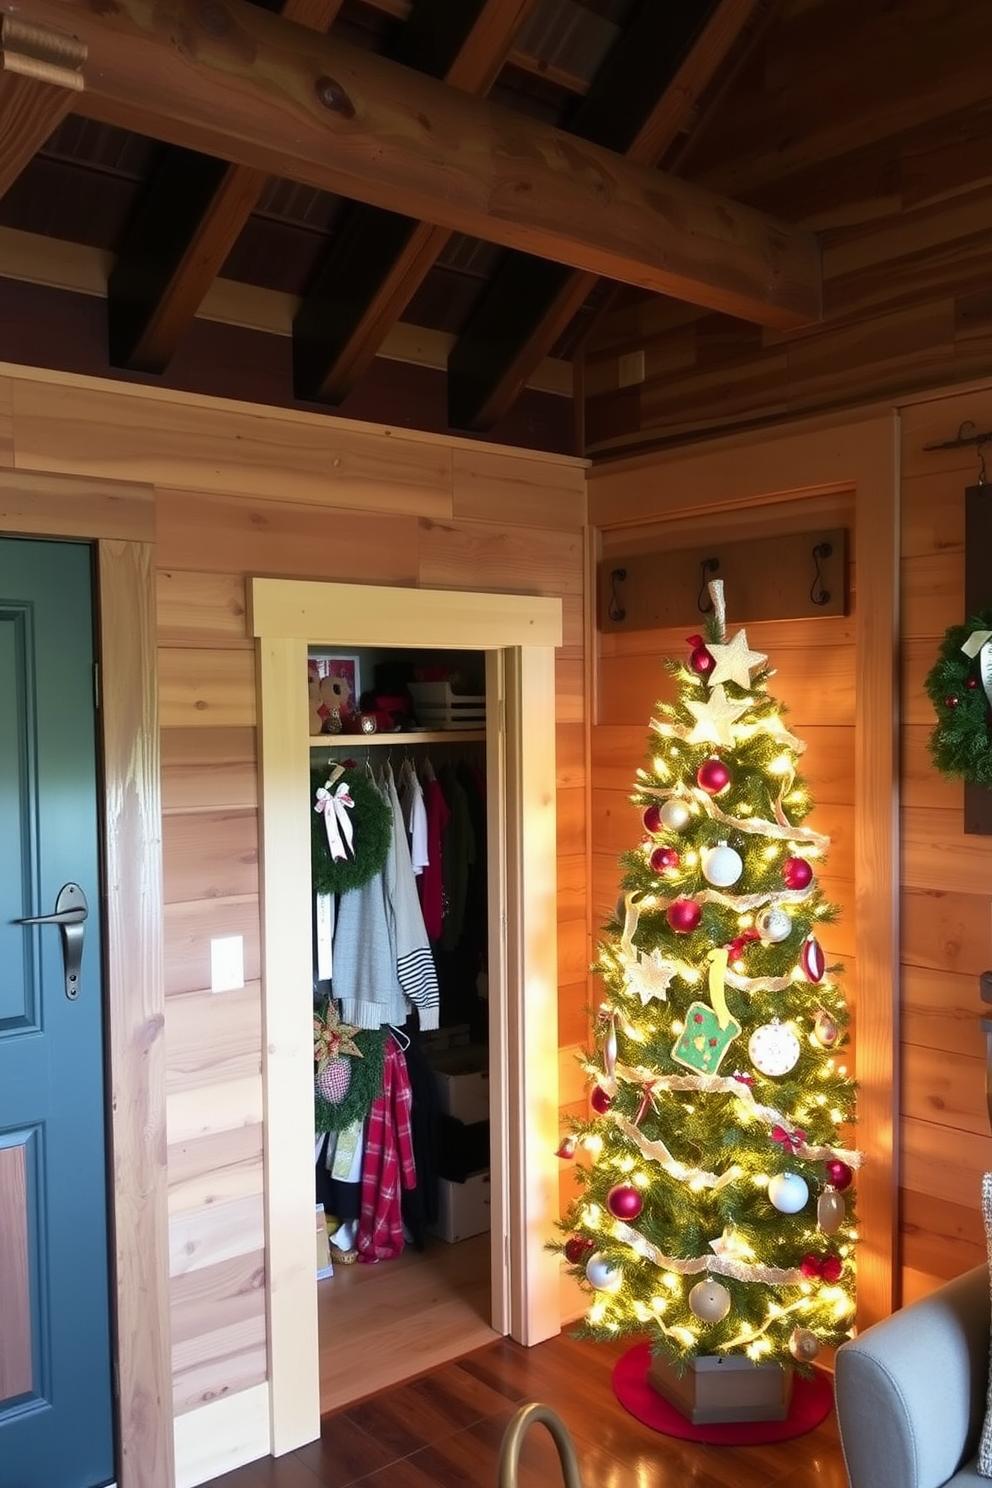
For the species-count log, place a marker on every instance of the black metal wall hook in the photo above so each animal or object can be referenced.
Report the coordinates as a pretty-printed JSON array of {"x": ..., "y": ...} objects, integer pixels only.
[
  {"x": 705, "y": 604},
  {"x": 818, "y": 595},
  {"x": 617, "y": 611}
]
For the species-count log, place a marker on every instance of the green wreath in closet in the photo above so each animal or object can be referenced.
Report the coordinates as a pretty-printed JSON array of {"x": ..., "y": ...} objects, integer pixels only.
[
  {"x": 363, "y": 1081},
  {"x": 960, "y": 744},
  {"x": 372, "y": 825}
]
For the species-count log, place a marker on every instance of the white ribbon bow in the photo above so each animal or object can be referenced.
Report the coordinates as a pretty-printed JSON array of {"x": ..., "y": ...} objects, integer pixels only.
[
  {"x": 335, "y": 808},
  {"x": 978, "y": 644}
]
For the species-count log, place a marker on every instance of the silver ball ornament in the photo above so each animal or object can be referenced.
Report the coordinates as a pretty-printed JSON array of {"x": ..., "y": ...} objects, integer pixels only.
[
  {"x": 722, "y": 866},
  {"x": 831, "y": 1210},
  {"x": 709, "y": 1301},
  {"x": 675, "y": 814},
  {"x": 774, "y": 925},
  {"x": 803, "y": 1345},
  {"x": 601, "y": 1275},
  {"x": 788, "y": 1192}
]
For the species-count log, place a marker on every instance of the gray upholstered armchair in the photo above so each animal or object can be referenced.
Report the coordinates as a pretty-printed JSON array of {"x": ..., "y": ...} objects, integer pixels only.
[{"x": 911, "y": 1391}]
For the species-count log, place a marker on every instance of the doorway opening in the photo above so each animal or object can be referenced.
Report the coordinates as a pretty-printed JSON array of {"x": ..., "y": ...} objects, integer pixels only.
[{"x": 517, "y": 635}]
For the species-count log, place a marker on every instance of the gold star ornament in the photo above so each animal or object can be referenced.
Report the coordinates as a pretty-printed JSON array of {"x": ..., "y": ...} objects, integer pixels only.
[
  {"x": 734, "y": 662},
  {"x": 332, "y": 1038}
]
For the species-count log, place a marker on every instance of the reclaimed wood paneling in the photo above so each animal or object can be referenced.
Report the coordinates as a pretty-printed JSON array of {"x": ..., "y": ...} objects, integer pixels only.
[
  {"x": 189, "y": 928},
  {"x": 895, "y": 185},
  {"x": 208, "y": 770},
  {"x": 6, "y": 423}
]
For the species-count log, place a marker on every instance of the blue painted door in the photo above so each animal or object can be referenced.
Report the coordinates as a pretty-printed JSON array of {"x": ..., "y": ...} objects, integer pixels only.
[{"x": 56, "y": 1414}]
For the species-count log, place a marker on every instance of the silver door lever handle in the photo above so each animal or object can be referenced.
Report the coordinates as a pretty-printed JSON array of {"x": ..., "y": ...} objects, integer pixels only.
[{"x": 70, "y": 914}]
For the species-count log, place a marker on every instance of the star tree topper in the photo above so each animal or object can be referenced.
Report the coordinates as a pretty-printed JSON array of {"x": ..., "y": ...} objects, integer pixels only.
[{"x": 735, "y": 661}]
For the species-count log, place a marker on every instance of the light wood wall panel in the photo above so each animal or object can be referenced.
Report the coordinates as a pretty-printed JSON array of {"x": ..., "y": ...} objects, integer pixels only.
[
  {"x": 946, "y": 874},
  {"x": 238, "y": 491}
]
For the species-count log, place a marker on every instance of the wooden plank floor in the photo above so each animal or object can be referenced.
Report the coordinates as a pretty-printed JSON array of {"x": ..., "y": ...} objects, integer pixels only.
[{"x": 443, "y": 1429}]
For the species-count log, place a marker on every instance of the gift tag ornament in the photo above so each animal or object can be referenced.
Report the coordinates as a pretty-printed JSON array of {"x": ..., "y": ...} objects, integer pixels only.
[
  {"x": 602, "y": 1275},
  {"x": 722, "y": 865},
  {"x": 774, "y": 925},
  {"x": 709, "y": 1301},
  {"x": 831, "y": 1210},
  {"x": 811, "y": 959},
  {"x": 788, "y": 1192},
  {"x": 703, "y": 1042},
  {"x": 774, "y": 1048},
  {"x": 674, "y": 814}
]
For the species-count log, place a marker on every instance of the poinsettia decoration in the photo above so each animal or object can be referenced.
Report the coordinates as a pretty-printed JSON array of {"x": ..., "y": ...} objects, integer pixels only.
[{"x": 332, "y": 1038}]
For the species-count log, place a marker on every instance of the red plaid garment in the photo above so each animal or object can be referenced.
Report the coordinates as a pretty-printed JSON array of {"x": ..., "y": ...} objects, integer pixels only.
[{"x": 388, "y": 1160}]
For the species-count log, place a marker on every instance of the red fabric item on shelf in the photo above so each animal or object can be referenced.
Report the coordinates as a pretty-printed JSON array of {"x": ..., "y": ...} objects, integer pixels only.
[{"x": 812, "y": 1401}]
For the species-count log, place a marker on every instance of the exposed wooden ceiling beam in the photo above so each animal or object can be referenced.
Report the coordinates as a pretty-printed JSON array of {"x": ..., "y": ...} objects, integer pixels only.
[
  {"x": 189, "y": 221},
  {"x": 231, "y": 80},
  {"x": 530, "y": 303},
  {"x": 378, "y": 259},
  {"x": 40, "y": 71}
]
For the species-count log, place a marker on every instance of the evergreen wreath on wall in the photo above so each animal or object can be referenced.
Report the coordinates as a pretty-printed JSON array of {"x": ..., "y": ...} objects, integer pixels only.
[
  {"x": 959, "y": 684},
  {"x": 348, "y": 801}
]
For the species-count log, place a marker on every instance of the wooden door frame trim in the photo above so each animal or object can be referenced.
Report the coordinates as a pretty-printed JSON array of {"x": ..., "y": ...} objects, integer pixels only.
[
  {"x": 519, "y": 633},
  {"x": 118, "y": 518},
  {"x": 860, "y": 453}
]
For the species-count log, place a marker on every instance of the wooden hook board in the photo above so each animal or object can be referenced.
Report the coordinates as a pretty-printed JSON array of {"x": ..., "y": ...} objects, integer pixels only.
[{"x": 790, "y": 577}]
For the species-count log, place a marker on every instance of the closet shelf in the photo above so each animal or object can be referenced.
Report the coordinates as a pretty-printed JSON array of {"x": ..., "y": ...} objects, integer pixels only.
[{"x": 418, "y": 736}]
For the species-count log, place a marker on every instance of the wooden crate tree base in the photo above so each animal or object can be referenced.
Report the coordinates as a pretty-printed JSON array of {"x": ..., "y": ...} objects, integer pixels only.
[{"x": 715, "y": 1388}]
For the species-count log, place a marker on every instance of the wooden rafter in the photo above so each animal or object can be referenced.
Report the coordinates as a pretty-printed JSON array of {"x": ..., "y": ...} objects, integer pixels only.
[
  {"x": 379, "y": 259},
  {"x": 531, "y": 302},
  {"x": 261, "y": 91},
  {"x": 40, "y": 72},
  {"x": 190, "y": 220}
]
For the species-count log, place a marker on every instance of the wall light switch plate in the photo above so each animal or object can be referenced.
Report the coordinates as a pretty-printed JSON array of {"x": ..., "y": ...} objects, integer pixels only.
[{"x": 227, "y": 963}]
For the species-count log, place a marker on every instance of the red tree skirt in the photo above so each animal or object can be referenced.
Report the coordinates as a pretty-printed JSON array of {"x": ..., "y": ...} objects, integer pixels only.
[{"x": 812, "y": 1401}]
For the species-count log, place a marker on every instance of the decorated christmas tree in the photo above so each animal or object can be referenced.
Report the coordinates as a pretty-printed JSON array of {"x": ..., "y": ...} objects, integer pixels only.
[{"x": 714, "y": 1212}]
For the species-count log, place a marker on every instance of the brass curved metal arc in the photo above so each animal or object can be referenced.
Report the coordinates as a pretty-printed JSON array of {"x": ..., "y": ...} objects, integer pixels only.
[{"x": 521, "y": 1423}]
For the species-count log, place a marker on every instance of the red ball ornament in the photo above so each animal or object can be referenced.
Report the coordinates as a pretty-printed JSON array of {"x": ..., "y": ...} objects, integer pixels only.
[
  {"x": 838, "y": 1174},
  {"x": 600, "y": 1101},
  {"x": 683, "y": 915},
  {"x": 952, "y": 701},
  {"x": 651, "y": 819},
  {"x": 971, "y": 683},
  {"x": 832, "y": 1268},
  {"x": 577, "y": 1248},
  {"x": 624, "y": 1201},
  {"x": 701, "y": 661},
  {"x": 662, "y": 858},
  {"x": 796, "y": 873},
  {"x": 713, "y": 776},
  {"x": 809, "y": 1265}
]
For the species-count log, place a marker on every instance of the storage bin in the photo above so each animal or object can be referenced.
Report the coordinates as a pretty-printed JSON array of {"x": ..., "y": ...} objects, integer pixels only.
[
  {"x": 463, "y": 1209},
  {"x": 437, "y": 707},
  {"x": 461, "y": 1076}
]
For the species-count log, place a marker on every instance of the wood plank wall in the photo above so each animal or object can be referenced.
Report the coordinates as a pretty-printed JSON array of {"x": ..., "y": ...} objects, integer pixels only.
[
  {"x": 868, "y": 122},
  {"x": 946, "y": 876},
  {"x": 239, "y": 490}
]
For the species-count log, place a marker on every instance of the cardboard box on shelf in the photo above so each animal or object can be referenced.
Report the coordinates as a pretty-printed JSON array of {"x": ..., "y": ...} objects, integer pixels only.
[{"x": 463, "y": 1208}]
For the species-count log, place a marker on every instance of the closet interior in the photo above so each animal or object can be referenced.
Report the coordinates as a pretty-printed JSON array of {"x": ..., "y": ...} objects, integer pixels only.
[{"x": 402, "y": 1139}]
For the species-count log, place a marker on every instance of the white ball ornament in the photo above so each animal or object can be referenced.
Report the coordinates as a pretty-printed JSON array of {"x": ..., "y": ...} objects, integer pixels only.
[
  {"x": 601, "y": 1275},
  {"x": 709, "y": 1301},
  {"x": 675, "y": 814},
  {"x": 774, "y": 1048},
  {"x": 803, "y": 1345},
  {"x": 788, "y": 1192},
  {"x": 774, "y": 926},
  {"x": 722, "y": 866}
]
